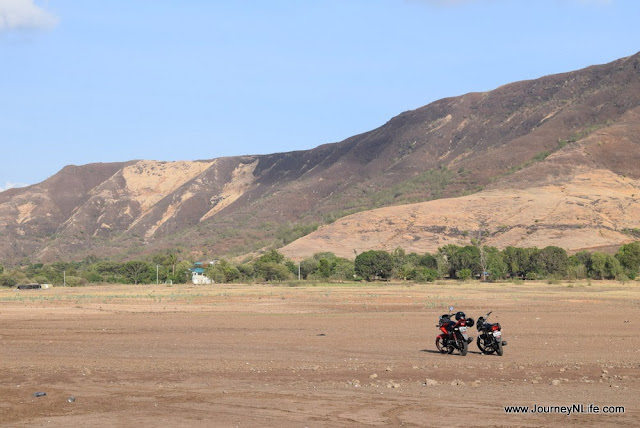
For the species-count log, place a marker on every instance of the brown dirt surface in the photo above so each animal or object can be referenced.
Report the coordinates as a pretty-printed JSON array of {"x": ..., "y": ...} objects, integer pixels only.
[{"x": 326, "y": 355}]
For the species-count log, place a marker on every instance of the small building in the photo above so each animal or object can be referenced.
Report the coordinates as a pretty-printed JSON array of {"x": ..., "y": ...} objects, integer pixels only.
[
  {"x": 29, "y": 287},
  {"x": 197, "y": 275}
]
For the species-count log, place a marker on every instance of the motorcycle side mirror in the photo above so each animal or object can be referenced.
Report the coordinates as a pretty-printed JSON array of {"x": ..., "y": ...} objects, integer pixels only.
[{"x": 451, "y": 308}]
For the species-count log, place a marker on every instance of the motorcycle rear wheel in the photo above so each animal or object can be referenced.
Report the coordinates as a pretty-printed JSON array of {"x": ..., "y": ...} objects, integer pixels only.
[
  {"x": 482, "y": 346},
  {"x": 444, "y": 349},
  {"x": 499, "y": 350}
]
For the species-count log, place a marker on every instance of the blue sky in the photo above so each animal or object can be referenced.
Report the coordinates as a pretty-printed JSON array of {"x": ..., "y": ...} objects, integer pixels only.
[{"x": 104, "y": 81}]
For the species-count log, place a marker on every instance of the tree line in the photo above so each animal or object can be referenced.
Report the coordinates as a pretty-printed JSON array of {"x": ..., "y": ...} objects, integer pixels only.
[
  {"x": 491, "y": 264},
  {"x": 450, "y": 261}
]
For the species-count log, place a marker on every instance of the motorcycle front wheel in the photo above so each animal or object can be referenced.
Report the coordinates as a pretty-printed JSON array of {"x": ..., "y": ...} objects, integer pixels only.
[{"x": 463, "y": 347}]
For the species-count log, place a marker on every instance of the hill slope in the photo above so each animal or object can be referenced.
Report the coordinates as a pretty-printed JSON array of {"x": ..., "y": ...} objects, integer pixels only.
[
  {"x": 525, "y": 136},
  {"x": 572, "y": 199}
]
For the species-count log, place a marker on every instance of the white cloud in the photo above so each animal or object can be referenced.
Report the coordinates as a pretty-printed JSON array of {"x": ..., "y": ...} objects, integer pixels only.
[
  {"x": 10, "y": 185},
  {"x": 24, "y": 15}
]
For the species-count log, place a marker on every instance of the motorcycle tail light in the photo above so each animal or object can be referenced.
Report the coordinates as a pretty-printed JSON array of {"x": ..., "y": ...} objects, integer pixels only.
[{"x": 495, "y": 327}]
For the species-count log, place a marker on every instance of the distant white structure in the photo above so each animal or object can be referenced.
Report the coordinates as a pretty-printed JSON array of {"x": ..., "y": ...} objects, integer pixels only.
[
  {"x": 197, "y": 275},
  {"x": 200, "y": 278}
]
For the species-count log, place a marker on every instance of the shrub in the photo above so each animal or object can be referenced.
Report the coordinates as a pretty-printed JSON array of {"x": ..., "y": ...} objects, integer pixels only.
[
  {"x": 12, "y": 278},
  {"x": 75, "y": 281},
  {"x": 222, "y": 272},
  {"x": 246, "y": 271},
  {"x": 577, "y": 272},
  {"x": 93, "y": 277},
  {"x": 41, "y": 279},
  {"x": 426, "y": 275},
  {"x": 464, "y": 274}
]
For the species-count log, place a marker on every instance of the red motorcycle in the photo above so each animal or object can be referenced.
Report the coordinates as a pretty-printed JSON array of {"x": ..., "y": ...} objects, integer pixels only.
[{"x": 454, "y": 333}]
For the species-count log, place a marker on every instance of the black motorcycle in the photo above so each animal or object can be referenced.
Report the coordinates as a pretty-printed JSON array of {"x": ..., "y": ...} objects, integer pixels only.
[{"x": 489, "y": 336}]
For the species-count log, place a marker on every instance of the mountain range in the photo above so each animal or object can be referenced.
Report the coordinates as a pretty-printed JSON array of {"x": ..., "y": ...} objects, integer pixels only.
[{"x": 550, "y": 161}]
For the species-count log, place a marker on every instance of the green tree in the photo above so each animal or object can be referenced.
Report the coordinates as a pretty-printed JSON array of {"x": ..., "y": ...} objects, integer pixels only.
[
  {"x": 325, "y": 267},
  {"x": 460, "y": 258},
  {"x": 579, "y": 265},
  {"x": 159, "y": 259},
  {"x": 343, "y": 269},
  {"x": 271, "y": 256},
  {"x": 399, "y": 257},
  {"x": 496, "y": 267},
  {"x": 270, "y": 266},
  {"x": 324, "y": 255},
  {"x": 12, "y": 278},
  {"x": 374, "y": 264},
  {"x": 167, "y": 260},
  {"x": 273, "y": 271},
  {"x": 222, "y": 272},
  {"x": 92, "y": 276},
  {"x": 520, "y": 261},
  {"x": 605, "y": 266},
  {"x": 552, "y": 261},
  {"x": 326, "y": 264},
  {"x": 581, "y": 257},
  {"x": 405, "y": 272},
  {"x": 429, "y": 261},
  {"x": 172, "y": 259},
  {"x": 246, "y": 270},
  {"x": 442, "y": 264},
  {"x": 67, "y": 267},
  {"x": 308, "y": 267},
  {"x": 111, "y": 271},
  {"x": 182, "y": 273},
  {"x": 629, "y": 257},
  {"x": 138, "y": 271}
]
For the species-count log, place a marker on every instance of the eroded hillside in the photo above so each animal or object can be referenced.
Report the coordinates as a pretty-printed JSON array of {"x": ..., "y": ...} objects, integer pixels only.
[{"x": 568, "y": 199}]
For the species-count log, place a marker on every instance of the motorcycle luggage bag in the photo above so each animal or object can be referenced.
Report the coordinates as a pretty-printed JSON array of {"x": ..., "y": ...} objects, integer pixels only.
[{"x": 444, "y": 319}]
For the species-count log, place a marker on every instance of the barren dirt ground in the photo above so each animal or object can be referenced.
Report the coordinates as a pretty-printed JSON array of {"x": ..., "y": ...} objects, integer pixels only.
[{"x": 342, "y": 355}]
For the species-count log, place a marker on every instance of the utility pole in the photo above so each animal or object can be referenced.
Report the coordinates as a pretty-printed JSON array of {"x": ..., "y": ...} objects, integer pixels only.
[
  {"x": 298, "y": 271},
  {"x": 64, "y": 278},
  {"x": 157, "y": 274}
]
